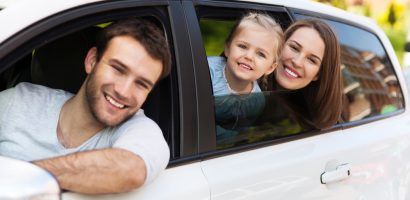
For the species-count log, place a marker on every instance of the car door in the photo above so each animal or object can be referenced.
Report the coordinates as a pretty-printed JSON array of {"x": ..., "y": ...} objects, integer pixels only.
[
  {"x": 281, "y": 160},
  {"x": 376, "y": 132},
  {"x": 50, "y": 52}
]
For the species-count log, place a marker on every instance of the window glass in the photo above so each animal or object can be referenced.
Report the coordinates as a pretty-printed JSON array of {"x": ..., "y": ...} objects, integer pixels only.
[
  {"x": 243, "y": 119},
  {"x": 371, "y": 87}
]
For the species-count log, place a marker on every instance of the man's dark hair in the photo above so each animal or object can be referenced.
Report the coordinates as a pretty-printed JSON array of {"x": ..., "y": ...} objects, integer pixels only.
[{"x": 144, "y": 31}]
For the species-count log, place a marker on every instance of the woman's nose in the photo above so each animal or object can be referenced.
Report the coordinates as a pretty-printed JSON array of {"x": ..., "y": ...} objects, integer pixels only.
[{"x": 298, "y": 60}]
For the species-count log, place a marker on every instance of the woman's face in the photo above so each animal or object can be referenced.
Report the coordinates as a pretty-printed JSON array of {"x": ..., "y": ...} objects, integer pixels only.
[{"x": 301, "y": 59}]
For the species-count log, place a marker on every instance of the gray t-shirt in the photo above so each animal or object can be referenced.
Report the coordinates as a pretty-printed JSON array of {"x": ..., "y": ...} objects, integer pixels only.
[{"x": 28, "y": 122}]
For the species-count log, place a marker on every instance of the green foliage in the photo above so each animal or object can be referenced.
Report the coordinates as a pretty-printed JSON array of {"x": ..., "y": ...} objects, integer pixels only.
[
  {"x": 393, "y": 21},
  {"x": 397, "y": 38},
  {"x": 214, "y": 34},
  {"x": 336, "y": 3},
  {"x": 392, "y": 15}
]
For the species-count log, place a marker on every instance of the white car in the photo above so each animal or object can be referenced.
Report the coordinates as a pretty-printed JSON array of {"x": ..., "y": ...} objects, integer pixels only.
[{"x": 365, "y": 156}]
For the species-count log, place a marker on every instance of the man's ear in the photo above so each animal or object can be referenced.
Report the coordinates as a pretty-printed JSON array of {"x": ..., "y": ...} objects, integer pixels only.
[
  {"x": 90, "y": 60},
  {"x": 271, "y": 68}
]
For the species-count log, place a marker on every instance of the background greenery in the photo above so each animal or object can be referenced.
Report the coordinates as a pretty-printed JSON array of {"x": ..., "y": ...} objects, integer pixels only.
[
  {"x": 393, "y": 19},
  {"x": 214, "y": 34}
]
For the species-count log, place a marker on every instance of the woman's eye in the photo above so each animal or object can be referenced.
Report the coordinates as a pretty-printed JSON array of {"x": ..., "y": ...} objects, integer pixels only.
[
  {"x": 313, "y": 61},
  {"x": 293, "y": 47}
]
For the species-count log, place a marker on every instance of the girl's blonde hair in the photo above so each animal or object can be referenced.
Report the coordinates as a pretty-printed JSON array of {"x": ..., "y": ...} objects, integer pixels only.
[
  {"x": 264, "y": 20},
  {"x": 270, "y": 24}
]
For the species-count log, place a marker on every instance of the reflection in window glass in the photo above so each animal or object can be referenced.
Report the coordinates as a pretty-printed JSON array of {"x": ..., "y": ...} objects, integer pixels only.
[{"x": 370, "y": 86}]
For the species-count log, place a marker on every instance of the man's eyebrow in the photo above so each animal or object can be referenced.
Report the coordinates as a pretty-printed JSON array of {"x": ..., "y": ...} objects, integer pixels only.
[
  {"x": 118, "y": 63},
  {"x": 126, "y": 68}
]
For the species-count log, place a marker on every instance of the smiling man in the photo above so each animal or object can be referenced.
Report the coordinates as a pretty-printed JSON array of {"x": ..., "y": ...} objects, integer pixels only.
[{"x": 99, "y": 140}]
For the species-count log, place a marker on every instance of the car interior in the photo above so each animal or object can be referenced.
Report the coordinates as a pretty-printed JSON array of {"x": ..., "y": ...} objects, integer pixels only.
[{"x": 60, "y": 64}]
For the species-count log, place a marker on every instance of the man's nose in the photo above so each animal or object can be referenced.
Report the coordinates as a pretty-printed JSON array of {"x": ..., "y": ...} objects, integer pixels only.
[{"x": 124, "y": 88}]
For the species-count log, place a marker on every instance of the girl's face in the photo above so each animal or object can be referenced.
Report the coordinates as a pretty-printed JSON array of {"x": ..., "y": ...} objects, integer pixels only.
[
  {"x": 251, "y": 53},
  {"x": 301, "y": 59}
]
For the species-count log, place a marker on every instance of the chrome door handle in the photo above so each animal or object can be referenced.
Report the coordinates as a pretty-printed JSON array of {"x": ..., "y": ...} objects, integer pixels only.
[{"x": 340, "y": 173}]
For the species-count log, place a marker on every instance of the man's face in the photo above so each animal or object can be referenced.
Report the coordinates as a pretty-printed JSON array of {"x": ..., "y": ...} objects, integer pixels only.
[{"x": 119, "y": 83}]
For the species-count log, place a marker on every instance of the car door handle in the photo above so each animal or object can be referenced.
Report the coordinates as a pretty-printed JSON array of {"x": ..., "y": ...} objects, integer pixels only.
[{"x": 340, "y": 173}]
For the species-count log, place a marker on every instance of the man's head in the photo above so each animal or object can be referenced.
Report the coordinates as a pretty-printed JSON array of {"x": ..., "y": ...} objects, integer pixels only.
[{"x": 130, "y": 57}]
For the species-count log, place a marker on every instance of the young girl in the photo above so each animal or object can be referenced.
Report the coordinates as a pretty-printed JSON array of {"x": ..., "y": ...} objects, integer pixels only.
[{"x": 251, "y": 52}]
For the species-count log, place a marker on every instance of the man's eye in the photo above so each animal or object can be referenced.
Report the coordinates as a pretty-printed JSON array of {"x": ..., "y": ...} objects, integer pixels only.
[{"x": 117, "y": 68}]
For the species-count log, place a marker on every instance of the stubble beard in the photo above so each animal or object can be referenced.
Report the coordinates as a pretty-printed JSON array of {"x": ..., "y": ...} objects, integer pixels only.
[{"x": 92, "y": 99}]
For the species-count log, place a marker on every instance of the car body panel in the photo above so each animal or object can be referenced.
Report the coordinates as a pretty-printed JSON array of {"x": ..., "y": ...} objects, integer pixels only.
[
  {"x": 185, "y": 182},
  {"x": 376, "y": 150}
]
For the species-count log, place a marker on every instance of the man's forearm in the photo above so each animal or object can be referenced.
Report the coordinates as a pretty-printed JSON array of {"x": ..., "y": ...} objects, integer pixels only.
[{"x": 97, "y": 171}]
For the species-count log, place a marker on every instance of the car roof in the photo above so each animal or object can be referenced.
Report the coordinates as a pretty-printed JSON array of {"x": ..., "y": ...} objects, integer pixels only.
[{"x": 34, "y": 10}]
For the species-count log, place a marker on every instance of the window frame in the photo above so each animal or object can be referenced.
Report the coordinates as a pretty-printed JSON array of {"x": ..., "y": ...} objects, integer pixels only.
[
  {"x": 207, "y": 135},
  {"x": 55, "y": 26}
]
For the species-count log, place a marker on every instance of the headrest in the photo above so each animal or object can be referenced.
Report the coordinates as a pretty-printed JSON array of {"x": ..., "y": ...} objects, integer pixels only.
[{"x": 60, "y": 64}]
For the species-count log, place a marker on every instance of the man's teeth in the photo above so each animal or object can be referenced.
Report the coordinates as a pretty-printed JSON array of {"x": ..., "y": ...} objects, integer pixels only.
[
  {"x": 291, "y": 72},
  {"x": 113, "y": 102}
]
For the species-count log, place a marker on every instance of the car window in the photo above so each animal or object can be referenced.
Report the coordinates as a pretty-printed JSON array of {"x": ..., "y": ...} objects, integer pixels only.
[
  {"x": 371, "y": 87},
  {"x": 258, "y": 116},
  {"x": 56, "y": 59}
]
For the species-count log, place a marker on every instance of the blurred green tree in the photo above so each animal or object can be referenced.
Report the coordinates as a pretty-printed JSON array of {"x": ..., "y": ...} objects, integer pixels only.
[{"x": 392, "y": 15}]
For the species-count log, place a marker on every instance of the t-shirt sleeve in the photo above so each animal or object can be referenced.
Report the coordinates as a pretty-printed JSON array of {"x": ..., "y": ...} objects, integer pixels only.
[
  {"x": 6, "y": 99},
  {"x": 143, "y": 137}
]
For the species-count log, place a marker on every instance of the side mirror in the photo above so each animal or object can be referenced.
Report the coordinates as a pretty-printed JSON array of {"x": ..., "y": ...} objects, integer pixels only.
[
  {"x": 23, "y": 180},
  {"x": 407, "y": 47}
]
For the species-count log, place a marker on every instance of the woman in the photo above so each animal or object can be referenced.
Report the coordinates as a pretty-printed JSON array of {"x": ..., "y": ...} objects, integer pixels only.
[{"x": 310, "y": 65}]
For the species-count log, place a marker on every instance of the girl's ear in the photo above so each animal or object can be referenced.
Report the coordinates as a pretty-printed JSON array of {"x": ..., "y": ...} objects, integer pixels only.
[
  {"x": 90, "y": 60},
  {"x": 271, "y": 68},
  {"x": 226, "y": 50}
]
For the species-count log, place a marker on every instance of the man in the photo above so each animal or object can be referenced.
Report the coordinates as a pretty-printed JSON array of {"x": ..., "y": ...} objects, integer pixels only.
[{"x": 98, "y": 141}]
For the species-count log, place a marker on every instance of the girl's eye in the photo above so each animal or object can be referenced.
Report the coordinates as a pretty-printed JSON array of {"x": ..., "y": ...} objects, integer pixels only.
[
  {"x": 242, "y": 46},
  {"x": 261, "y": 55}
]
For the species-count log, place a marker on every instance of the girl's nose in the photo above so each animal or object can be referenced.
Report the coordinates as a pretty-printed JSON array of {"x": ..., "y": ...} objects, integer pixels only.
[{"x": 249, "y": 55}]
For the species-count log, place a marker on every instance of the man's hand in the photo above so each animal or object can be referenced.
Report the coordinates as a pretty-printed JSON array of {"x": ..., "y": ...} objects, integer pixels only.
[{"x": 97, "y": 171}]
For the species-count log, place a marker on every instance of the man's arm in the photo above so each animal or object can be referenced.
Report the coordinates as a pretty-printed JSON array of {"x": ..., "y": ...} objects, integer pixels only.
[{"x": 102, "y": 171}]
